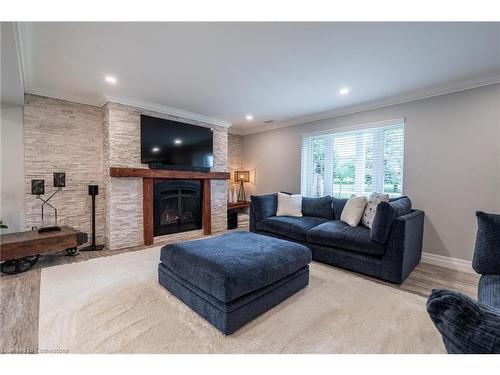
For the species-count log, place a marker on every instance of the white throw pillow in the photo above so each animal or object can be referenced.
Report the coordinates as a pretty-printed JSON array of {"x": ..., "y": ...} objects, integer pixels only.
[
  {"x": 289, "y": 205},
  {"x": 353, "y": 210},
  {"x": 371, "y": 208}
]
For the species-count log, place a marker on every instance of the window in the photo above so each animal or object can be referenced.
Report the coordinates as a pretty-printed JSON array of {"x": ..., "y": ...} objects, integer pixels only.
[{"x": 354, "y": 162}]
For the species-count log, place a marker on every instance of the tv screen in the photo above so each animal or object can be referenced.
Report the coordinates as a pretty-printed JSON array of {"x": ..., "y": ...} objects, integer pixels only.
[{"x": 175, "y": 145}]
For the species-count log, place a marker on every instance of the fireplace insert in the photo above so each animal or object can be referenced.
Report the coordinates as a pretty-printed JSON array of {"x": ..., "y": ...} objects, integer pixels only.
[{"x": 176, "y": 206}]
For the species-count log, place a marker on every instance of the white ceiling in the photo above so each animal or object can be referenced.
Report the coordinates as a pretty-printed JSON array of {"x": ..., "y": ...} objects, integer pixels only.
[{"x": 286, "y": 72}]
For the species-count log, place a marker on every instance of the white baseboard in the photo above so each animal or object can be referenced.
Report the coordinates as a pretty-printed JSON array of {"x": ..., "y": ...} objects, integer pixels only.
[{"x": 447, "y": 262}]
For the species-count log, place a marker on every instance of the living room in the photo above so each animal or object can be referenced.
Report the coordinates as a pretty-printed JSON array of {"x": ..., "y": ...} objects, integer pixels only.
[{"x": 250, "y": 187}]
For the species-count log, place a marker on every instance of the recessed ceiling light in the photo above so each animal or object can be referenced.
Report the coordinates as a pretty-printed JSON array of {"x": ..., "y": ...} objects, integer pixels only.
[
  {"x": 110, "y": 79},
  {"x": 155, "y": 149},
  {"x": 249, "y": 117},
  {"x": 178, "y": 141},
  {"x": 344, "y": 91}
]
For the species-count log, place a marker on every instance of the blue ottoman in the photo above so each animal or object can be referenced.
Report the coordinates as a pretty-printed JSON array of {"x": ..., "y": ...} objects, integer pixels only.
[{"x": 231, "y": 279}]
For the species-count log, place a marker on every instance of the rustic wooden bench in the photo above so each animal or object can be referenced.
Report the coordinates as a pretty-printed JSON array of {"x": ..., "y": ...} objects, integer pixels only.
[{"x": 20, "y": 251}]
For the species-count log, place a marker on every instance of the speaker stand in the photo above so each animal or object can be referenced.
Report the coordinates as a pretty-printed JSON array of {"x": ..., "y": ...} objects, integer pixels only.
[{"x": 93, "y": 246}]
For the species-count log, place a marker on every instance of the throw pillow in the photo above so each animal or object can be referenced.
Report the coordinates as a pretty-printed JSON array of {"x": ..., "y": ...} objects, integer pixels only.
[
  {"x": 289, "y": 205},
  {"x": 371, "y": 208},
  {"x": 353, "y": 210}
]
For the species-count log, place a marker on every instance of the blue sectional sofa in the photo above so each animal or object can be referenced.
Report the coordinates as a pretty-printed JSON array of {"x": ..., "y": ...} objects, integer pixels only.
[
  {"x": 469, "y": 326},
  {"x": 389, "y": 251}
]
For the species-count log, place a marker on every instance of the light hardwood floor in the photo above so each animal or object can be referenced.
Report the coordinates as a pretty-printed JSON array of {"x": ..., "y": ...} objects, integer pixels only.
[{"x": 20, "y": 295}]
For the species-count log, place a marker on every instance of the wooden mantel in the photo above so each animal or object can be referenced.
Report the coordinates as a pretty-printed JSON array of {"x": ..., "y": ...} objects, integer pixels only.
[
  {"x": 165, "y": 173},
  {"x": 149, "y": 175}
]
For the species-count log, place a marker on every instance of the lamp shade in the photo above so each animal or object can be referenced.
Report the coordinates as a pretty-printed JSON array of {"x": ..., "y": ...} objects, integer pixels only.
[
  {"x": 38, "y": 187},
  {"x": 59, "y": 179},
  {"x": 242, "y": 176}
]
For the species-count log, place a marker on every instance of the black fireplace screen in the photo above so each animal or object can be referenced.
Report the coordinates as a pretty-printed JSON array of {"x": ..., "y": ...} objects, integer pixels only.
[{"x": 176, "y": 206}]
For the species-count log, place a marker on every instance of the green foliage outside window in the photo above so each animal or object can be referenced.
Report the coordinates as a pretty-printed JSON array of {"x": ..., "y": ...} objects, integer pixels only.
[{"x": 344, "y": 165}]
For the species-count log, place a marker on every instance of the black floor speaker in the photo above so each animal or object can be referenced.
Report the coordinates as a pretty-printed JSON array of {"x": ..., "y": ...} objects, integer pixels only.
[{"x": 93, "y": 191}]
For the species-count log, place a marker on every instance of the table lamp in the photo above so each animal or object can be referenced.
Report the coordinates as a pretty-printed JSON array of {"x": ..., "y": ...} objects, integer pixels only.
[{"x": 241, "y": 177}]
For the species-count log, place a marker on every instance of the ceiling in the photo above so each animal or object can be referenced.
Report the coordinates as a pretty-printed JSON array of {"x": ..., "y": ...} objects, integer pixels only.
[{"x": 285, "y": 72}]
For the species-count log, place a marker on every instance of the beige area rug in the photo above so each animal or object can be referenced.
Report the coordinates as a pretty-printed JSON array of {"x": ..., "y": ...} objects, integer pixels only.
[{"x": 115, "y": 305}]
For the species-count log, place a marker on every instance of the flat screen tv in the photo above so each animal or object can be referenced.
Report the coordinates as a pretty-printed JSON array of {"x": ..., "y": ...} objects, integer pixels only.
[{"x": 171, "y": 144}]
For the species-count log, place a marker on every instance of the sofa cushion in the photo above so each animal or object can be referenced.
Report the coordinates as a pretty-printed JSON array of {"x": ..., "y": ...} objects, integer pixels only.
[
  {"x": 318, "y": 207},
  {"x": 401, "y": 206},
  {"x": 341, "y": 235},
  {"x": 486, "y": 258},
  {"x": 338, "y": 207},
  {"x": 234, "y": 264},
  {"x": 264, "y": 206},
  {"x": 289, "y": 226},
  {"x": 386, "y": 213},
  {"x": 467, "y": 326},
  {"x": 488, "y": 291}
]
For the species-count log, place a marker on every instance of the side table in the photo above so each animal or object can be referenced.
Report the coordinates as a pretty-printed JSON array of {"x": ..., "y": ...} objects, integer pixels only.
[{"x": 232, "y": 213}]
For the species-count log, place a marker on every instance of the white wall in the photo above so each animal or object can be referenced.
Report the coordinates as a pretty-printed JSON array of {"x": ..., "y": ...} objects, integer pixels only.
[
  {"x": 12, "y": 205},
  {"x": 451, "y": 169}
]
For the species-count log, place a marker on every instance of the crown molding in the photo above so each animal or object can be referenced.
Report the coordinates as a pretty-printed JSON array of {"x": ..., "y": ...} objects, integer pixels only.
[
  {"x": 19, "y": 53},
  {"x": 132, "y": 103},
  {"x": 64, "y": 96},
  {"x": 387, "y": 102},
  {"x": 22, "y": 40},
  {"x": 169, "y": 111},
  {"x": 235, "y": 131}
]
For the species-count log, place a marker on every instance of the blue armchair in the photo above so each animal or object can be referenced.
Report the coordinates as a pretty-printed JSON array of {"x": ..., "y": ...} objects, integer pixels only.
[{"x": 470, "y": 326}]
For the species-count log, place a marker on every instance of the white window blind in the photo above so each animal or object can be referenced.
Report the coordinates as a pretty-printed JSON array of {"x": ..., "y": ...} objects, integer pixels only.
[{"x": 354, "y": 162}]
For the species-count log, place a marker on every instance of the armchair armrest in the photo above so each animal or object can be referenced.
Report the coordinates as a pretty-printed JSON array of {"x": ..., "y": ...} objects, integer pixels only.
[{"x": 467, "y": 326}]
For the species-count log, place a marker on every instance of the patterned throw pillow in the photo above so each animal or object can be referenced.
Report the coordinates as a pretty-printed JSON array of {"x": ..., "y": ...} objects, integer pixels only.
[{"x": 371, "y": 208}]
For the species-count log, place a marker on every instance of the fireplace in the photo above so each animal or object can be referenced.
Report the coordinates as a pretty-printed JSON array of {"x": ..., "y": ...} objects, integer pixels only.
[
  {"x": 150, "y": 177},
  {"x": 177, "y": 206}
]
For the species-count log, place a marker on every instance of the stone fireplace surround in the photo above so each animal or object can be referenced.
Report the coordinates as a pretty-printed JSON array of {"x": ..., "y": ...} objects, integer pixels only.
[
  {"x": 149, "y": 176},
  {"x": 85, "y": 142}
]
